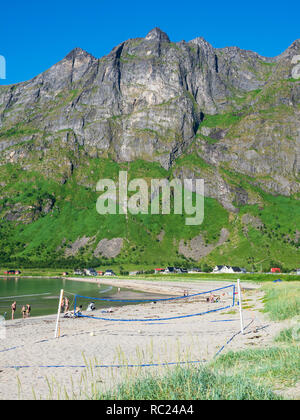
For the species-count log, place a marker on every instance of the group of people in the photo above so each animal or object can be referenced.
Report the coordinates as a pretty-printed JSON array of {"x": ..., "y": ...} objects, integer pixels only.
[
  {"x": 26, "y": 309},
  {"x": 65, "y": 305},
  {"x": 213, "y": 298}
]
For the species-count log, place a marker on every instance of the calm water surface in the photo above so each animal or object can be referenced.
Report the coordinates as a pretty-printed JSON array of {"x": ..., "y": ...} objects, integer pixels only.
[{"x": 43, "y": 294}]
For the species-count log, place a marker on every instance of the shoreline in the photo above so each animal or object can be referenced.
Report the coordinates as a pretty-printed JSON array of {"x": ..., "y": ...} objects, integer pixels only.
[
  {"x": 159, "y": 286},
  {"x": 177, "y": 286}
]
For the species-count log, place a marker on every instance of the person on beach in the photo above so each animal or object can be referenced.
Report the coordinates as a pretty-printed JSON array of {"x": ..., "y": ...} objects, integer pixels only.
[
  {"x": 67, "y": 305},
  {"x": 13, "y": 309},
  {"x": 28, "y": 309},
  {"x": 23, "y": 311},
  {"x": 210, "y": 299},
  {"x": 62, "y": 305},
  {"x": 78, "y": 310}
]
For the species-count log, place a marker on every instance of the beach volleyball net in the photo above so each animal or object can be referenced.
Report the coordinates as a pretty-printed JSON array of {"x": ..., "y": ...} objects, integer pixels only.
[{"x": 103, "y": 308}]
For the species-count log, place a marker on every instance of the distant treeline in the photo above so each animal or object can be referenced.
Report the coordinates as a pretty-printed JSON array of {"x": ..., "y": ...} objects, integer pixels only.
[{"x": 55, "y": 263}]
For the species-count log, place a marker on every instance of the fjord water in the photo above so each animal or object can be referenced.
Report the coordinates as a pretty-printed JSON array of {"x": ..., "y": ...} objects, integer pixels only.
[{"x": 43, "y": 294}]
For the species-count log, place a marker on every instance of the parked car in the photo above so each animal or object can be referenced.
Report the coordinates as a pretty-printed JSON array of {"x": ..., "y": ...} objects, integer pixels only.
[
  {"x": 170, "y": 270},
  {"x": 194, "y": 270},
  {"x": 109, "y": 273},
  {"x": 79, "y": 272}
]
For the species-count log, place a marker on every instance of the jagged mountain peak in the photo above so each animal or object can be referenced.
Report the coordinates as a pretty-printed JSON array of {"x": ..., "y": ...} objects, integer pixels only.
[
  {"x": 157, "y": 34},
  {"x": 293, "y": 49},
  {"x": 78, "y": 53},
  {"x": 199, "y": 41}
]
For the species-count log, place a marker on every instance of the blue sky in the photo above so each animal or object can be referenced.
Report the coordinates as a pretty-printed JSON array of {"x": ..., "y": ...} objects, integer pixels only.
[{"x": 35, "y": 35}]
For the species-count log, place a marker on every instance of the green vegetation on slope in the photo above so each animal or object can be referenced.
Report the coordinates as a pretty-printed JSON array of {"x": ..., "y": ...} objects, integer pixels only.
[{"x": 42, "y": 217}]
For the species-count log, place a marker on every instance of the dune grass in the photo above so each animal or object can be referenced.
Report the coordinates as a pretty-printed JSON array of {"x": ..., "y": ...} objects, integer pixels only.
[
  {"x": 275, "y": 367},
  {"x": 282, "y": 300},
  {"x": 189, "y": 384}
]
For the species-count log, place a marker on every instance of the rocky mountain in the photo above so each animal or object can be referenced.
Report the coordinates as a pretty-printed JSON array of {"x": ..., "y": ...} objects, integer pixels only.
[{"x": 187, "y": 109}]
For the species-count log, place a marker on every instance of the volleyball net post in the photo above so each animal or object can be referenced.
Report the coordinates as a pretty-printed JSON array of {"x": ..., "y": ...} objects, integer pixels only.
[
  {"x": 240, "y": 306},
  {"x": 56, "y": 335}
]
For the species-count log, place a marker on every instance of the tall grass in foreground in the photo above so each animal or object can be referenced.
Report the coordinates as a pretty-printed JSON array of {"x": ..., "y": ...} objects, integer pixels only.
[
  {"x": 285, "y": 336},
  {"x": 189, "y": 384},
  {"x": 276, "y": 367},
  {"x": 282, "y": 300}
]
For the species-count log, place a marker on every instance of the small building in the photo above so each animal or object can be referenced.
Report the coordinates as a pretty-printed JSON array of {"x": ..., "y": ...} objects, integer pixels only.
[
  {"x": 159, "y": 270},
  {"x": 194, "y": 270},
  {"x": 221, "y": 269},
  {"x": 228, "y": 269},
  {"x": 170, "y": 270},
  {"x": 275, "y": 270}
]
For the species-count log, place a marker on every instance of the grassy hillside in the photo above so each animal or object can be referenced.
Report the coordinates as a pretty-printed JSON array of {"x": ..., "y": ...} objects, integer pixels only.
[{"x": 42, "y": 217}]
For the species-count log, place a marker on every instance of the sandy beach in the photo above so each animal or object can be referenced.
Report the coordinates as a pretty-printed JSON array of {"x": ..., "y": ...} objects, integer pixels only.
[{"x": 33, "y": 364}]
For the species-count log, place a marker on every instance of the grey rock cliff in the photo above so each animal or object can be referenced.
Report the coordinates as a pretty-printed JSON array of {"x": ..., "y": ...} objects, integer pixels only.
[{"x": 149, "y": 99}]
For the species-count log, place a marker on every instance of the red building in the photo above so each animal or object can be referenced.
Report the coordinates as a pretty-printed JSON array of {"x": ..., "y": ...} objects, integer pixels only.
[{"x": 275, "y": 270}]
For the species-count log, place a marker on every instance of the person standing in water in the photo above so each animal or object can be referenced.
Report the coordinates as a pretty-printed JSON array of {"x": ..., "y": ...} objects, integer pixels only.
[
  {"x": 67, "y": 305},
  {"x": 62, "y": 307},
  {"x": 23, "y": 311},
  {"x": 28, "y": 309},
  {"x": 13, "y": 309}
]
